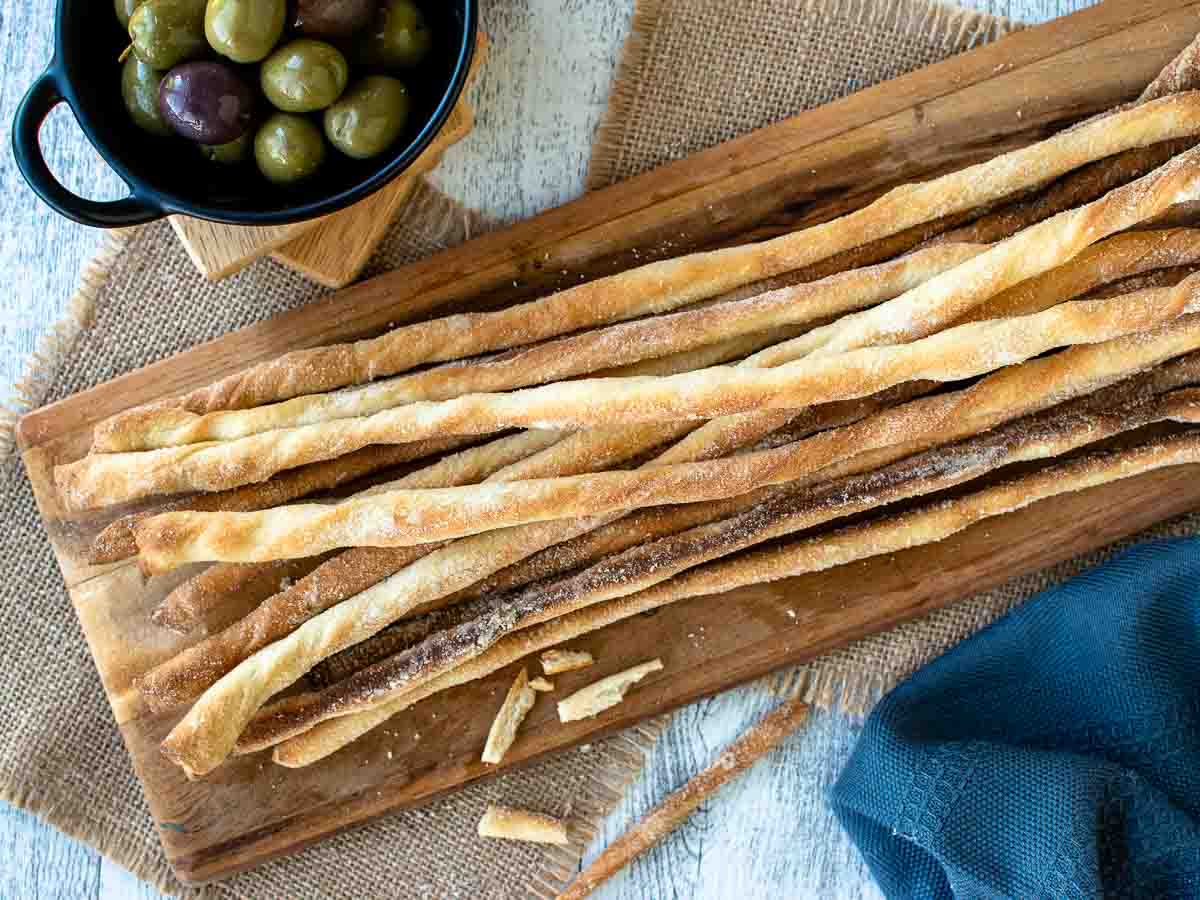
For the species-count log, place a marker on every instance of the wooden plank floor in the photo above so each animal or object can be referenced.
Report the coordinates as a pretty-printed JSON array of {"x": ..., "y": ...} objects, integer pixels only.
[{"x": 770, "y": 834}]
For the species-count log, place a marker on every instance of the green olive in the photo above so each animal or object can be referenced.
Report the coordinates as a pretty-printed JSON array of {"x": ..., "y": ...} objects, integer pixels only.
[
  {"x": 304, "y": 76},
  {"x": 244, "y": 30},
  {"x": 229, "y": 154},
  {"x": 168, "y": 32},
  {"x": 288, "y": 148},
  {"x": 398, "y": 38},
  {"x": 125, "y": 9},
  {"x": 369, "y": 117},
  {"x": 139, "y": 89}
]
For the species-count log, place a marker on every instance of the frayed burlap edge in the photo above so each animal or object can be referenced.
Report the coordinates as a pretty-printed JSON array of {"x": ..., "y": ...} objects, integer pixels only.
[
  {"x": 41, "y": 367},
  {"x": 944, "y": 24}
]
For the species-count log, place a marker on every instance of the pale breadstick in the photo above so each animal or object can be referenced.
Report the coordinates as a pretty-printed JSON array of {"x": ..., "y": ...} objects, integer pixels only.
[
  {"x": 557, "y": 661},
  {"x": 521, "y": 825},
  {"x": 116, "y": 541},
  {"x": 1053, "y": 433},
  {"x": 414, "y": 517},
  {"x": 768, "y": 733},
  {"x": 604, "y": 694},
  {"x": 516, "y": 706},
  {"x": 181, "y": 609},
  {"x": 889, "y": 534},
  {"x": 670, "y": 284},
  {"x": 104, "y": 479},
  {"x": 576, "y": 355},
  {"x": 187, "y": 675}
]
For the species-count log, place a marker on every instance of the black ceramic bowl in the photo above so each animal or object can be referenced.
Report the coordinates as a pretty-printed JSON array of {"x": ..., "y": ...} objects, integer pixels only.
[{"x": 168, "y": 175}]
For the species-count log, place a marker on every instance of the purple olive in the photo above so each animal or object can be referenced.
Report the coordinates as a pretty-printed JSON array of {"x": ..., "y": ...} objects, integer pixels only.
[
  {"x": 206, "y": 102},
  {"x": 332, "y": 18}
]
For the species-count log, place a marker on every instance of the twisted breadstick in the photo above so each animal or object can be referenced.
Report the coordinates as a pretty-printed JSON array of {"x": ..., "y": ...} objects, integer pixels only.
[
  {"x": 669, "y": 284},
  {"x": 104, "y": 479},
  {"x": 116, "y": 541},
  {"x": 886, "y": 535},
  {"x": 1052, "y": 434},
  {"x": 576, "y": 355},
  {"x": 189, "y": 603},
  {"x": 413, "y": 517}
]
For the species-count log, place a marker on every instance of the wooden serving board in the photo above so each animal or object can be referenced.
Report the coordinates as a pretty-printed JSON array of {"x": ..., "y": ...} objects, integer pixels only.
[{"x": 799, "y": 171}]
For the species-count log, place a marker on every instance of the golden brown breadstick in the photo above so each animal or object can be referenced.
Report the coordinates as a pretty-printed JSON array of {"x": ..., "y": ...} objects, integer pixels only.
[
  {"x": 1078, "y": 187},
  {"x": 1053, "y": 433},
  {"x": 1116, "y": 258},
  {"x": 116, "y": 541},
  {"x": 768, "y": 733},
  {"x": 669, "y": 284},
  {"x": 1180, "y": 74},
  {"x": 110, "y": 478},
  {"x": 888, "y": 534},
  {"x": 414, "y": 517},
  {"x": 579, "y": 354}
]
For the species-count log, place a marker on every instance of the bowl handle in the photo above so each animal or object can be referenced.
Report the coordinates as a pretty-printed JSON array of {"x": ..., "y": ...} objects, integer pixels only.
[{"x": 43, "y": 96}]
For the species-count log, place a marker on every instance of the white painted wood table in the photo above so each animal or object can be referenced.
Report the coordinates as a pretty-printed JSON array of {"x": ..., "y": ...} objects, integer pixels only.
[{"x": 769, "y": 834}]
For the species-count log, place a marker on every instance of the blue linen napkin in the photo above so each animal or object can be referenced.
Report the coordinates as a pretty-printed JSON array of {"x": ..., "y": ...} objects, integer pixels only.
[{"x": 1054, "y": 754}]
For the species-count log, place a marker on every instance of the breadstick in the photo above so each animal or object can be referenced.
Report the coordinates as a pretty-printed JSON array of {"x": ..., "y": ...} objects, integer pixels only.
[
  {"x": 768, "y": 733},
  {"x": 116, "y": 541},
  {"x": 104, "y": 479},
  {"x": 567, "y": 357},
  {"x": 888, "y": 534},
  {"x": 187, "y": 675},
  {"x": 1180, "y": 74},
  {"x": 413, "y": 517},
  {"x": 1050, "y": 434},
  {"x": 1074, "y": 189},
  {"x": 203, "y": 599},
  {"x": 187, "y": 604},
  {"x": 1116, "y": 258},
  {"x": 1168, "y": 277},
  {"x": 669, "y": 284}
]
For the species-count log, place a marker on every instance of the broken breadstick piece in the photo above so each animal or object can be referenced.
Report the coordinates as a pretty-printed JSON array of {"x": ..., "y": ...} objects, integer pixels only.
[
  {"x": 541, "y": 685},
  {"x": 512, "y": 713},
  {"x": 521, "y": 825},
  {"x": 556, "y": 661},
  {"x": 600, "y": 695}
]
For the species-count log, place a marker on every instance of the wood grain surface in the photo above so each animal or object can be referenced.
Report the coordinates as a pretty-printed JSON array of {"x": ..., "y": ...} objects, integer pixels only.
[
  {"x": 939, "y": 118},
  {"x": 771, "y": 832}
]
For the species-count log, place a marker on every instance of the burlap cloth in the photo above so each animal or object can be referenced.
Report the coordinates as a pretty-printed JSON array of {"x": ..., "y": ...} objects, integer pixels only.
[{"x": 693, "y": 74}]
